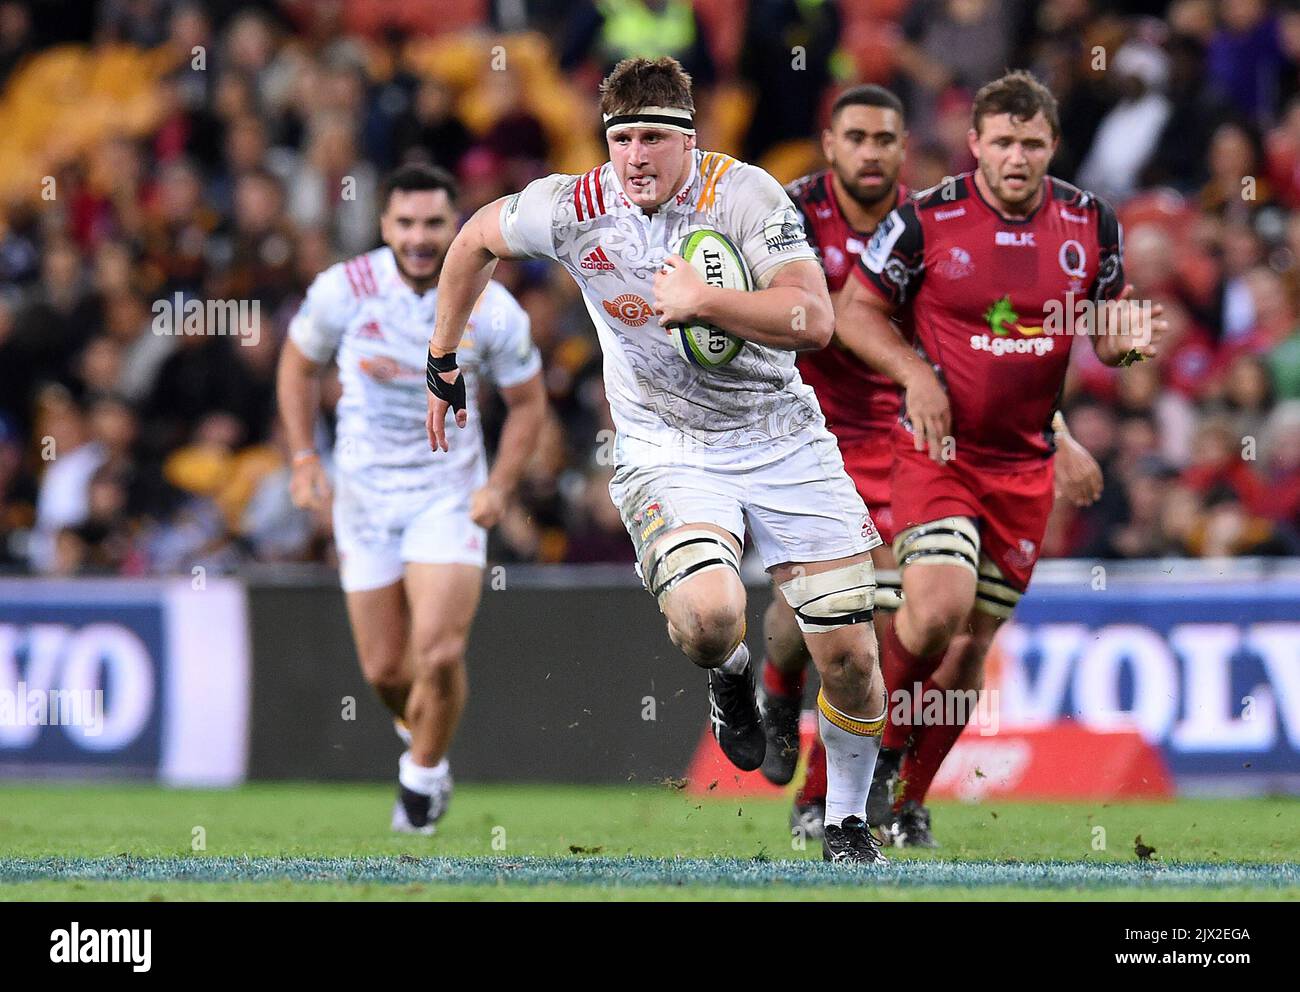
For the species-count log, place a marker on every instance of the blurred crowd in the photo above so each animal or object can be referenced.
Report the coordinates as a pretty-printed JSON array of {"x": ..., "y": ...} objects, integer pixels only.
[{"x": 259, "y": 133}]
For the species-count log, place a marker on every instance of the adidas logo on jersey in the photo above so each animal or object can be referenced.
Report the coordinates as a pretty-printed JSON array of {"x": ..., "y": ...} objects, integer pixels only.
[{"x": 597, "y": 260}]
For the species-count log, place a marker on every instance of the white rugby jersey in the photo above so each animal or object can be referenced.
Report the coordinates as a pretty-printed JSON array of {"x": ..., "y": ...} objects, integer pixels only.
[
  {"x": 613, "y": 250},
  {"x": 380, "y": 329}
]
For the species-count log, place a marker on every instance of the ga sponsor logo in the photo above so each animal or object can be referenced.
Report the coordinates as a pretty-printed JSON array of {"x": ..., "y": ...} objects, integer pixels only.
[
  {"x": 380, "y": 369},
  {"x": 1012, "y": 346},
  {"x": 631, "y": 309}
]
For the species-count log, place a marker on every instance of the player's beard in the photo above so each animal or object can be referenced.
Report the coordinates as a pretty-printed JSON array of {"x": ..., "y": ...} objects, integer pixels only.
[
  {"x": 421, "y": 282},
  {"x": 1011, "y": 197},
  {"x": 868, "y": 199}
]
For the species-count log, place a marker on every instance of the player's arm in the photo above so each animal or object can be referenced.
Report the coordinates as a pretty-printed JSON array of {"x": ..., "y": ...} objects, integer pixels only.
[
  {"x": 314, "y": 335},
  {"x": 793, "y": 312},
  {"x": 297, "y": 387},
  {"x": 1127, "y": 330},
  {"x": 525, "y": 410},
  {"x": 886, "y": 278},
  {"x": 515, "y": 366},
  {"x": 1078, "y": 476},
  {"x": 518, "y": 226},
  {"x": 791, "y": 307},
  {"x": 863, "y": 325},
  {"x": 469, "y": 265}
]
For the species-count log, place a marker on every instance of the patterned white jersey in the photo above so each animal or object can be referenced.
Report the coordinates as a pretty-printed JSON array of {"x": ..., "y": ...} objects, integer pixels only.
[
  {"x": 613, "y": 250},
  {"x": 379, "y": 327}
]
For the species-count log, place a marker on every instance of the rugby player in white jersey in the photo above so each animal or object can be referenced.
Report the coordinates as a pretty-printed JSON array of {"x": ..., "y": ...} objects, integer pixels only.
[
  {"x": 704, "y": 455},
  {"x": 410, "y": 526}
]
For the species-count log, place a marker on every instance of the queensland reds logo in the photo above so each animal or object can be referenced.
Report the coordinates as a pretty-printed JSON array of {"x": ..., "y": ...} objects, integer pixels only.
[
  {"x": 1073, "y": 259},
  {"x": 629, "y": 308},
  {"x": 1022, "y": 555}
]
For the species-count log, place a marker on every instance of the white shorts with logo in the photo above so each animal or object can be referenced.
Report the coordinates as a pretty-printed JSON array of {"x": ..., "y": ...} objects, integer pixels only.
[
  {"x": 376, "y": 534},
  {"x": 792, "y": 495}
]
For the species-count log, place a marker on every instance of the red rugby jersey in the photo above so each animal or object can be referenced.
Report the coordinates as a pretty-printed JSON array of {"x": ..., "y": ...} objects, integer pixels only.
[
  {"x": 990, "y": 299},
  {"x": 856, "y": 401}
]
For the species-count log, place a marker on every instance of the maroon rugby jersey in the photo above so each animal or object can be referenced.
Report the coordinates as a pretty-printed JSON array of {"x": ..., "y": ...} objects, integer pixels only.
[
  {"x": 979, "y": 291},
  {"x": 856, "y": 401}
]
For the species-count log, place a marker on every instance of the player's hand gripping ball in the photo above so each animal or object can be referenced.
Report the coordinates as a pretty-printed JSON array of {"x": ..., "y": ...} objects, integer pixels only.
[{"x": 719, "y": 264}]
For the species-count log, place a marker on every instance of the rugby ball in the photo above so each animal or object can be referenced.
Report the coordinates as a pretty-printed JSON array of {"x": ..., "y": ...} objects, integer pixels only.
[{"x": 716, "y": 259}]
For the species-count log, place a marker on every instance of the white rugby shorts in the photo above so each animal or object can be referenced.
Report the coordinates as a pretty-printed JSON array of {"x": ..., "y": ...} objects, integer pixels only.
[
  {"x": 377, "y": 533},
  {"x": 791, "y": 494}
]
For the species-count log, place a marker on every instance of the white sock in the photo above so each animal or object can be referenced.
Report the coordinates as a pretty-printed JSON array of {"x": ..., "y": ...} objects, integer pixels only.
[
  {"x": 418, "y": 778},
  {"x": 738, "y": 661},
  {"x": 850, "y": 763}
]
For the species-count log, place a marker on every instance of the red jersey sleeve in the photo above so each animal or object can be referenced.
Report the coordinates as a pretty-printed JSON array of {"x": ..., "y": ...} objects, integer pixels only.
[{"x": 893, "y": 263}]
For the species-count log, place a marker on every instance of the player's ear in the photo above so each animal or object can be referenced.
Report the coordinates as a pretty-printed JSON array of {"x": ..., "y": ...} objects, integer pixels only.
[
  {"x": 973, "y": 142},
  {"x": 828, "y": 143},
  {"x": 690, "y": 142}
]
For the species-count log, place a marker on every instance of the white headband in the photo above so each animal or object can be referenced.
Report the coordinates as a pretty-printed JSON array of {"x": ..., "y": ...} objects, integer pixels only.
[{"x": 671, "y": 118}]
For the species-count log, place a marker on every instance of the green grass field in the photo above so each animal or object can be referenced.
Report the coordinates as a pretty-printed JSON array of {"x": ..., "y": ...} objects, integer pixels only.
[{"x": 566, "y": 842}]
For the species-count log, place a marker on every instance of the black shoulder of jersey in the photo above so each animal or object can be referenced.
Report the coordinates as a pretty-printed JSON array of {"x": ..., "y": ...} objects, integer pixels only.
[
  {"x": 1081, "y": 199},
  {"x": 952, "y": 190},
  {"x": 807, "y": 189}
]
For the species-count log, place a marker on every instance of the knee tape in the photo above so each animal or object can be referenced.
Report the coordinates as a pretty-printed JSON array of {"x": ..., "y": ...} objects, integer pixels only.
[
  {"x": 830, "y": 600},
  {"x": 686, "y": 553},
  {"x": 946, "y": 541}
]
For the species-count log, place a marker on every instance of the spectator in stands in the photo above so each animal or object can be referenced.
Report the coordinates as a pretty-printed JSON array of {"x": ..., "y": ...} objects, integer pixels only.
[
  {"x": 1146, "y": 490},
  {"x": 787, "y": 81},
  {"x": 951, "y": 44},
  {"x": 70, "y": 456},
  {"x": 252, "y": 255},
  {"x": 58, "y": 320},
  {"x": 1127, "y": 137},
  {"x": 15, "y": 37},
  {"x": 333, "y": 187},
  {"x": 1246, "y": 60},
  {"x": 17, "y": 496},
  {"x": 1230, "y": 529},
  {"x": 1279, "y": 460},
  {"x": 1178, "y": 160},
  {"x": 612, "y": 30},
  {"x": 430, "y": 131},
  {"x": 597, "y": 532},
  {"x": 142, "y": 23}
]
